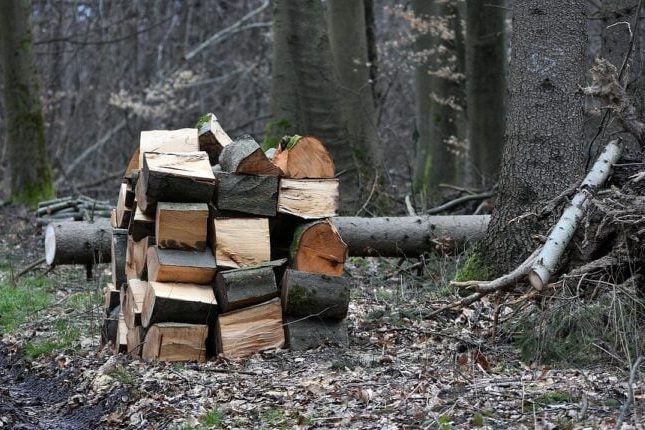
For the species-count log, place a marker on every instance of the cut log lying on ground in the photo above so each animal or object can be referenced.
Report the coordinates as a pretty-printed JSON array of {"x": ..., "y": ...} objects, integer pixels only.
[
  {"x": 175, "y": 342},
  {"x": 136, "y": 258},
  {"x": 182, "y": 140},
  {"x": 123, "y": 210},
  {"x": 303, "y": 157},
  {"x": 244, "y": 155},
  {"x": 308, "y": 333},
  {"x": 171, "y": 265},
  {"x": 174, "y": 177},
  {"x": 213, "y": 138},
  {"x": 174, "y": 302},
  {"x": 118, "y": 256},
  {"x": 254, "y": 195},
  {"x": 246, "y": 331},
  {"x": 318, "y": 248},
  {"x": 241, "y": 288},
  {"x": 181, "y": 226},
  {"x": 308, "y": 198},
  {"x": 547, "y": 260},
  {"x": 240, "y": 242},
  {"x": 112, "y": 298},
  {"x": 72, "y": 209},
  {"x": 408, "y": 236},
  {"x": 133, "y": 303},
  {"x": 141, "y": 225},
  {"x": 311, "y": 294},
  {"x": 135, "y": 338},
  {"x": 78, "y": 242}
]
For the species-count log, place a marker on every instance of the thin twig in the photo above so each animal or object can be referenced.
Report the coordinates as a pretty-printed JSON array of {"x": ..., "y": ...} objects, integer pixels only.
[
  {"x": 459, "y": 201},
  {"x": 30, "y": 267},
  {"x": 630, "y": 392},
  {"x": 358, "y": 212}
]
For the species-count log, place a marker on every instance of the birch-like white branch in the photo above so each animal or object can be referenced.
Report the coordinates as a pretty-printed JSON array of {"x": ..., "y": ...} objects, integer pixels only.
[{"x": 547, "y": 260}]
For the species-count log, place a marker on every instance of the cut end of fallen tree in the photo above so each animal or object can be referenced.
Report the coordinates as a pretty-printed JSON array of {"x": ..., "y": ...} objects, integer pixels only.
[{"x": 318, "y": 248}]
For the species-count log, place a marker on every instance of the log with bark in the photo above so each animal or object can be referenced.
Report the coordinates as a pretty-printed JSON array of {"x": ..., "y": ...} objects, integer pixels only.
[
  {"x": 317, "y": 247},
  {"x": 241, "y": 288},
  {"x": 124, "y": 206},
  {"x": 118, "y": 256},
  {"x": 308, "y": 333},
  {"x": 253, "y": 195},
  {"x": 212, "y": 138},
  {"x": 112, "y": 298},
  {"x": 175, "y": 302},
  {"x": 244, "y": 155},
  {"x": 78, "y": 242},
  {"x": 408, "y": 236},
  {"x": 172, "y": 265},
  {"x": 311, "y": 294},
  {"x": 141, "y": 225}
]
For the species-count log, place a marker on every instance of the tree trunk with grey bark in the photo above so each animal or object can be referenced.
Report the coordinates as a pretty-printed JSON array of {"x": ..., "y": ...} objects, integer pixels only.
[
  {"x": 28, "y": 160},
  {"x": 544, "y": 146},
  {"x": 304, "y": 91},
  {"x": 485, "y": 87}
]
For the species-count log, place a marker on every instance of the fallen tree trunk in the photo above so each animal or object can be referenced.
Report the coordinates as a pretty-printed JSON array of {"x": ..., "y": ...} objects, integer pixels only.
[
  {"x": 78, "y": 242},
  {"x": 407, "y": 236}
]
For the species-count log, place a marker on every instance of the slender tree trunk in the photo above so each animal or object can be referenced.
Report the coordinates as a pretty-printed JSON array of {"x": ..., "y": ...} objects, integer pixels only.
[
  {"x": 348, "y": 37},
  {"x": 372, "y": 51},
  {"x": 485, "y": 87},
  {"x": 439, "y": 155},
  {"x": 28, "y": 161},
  {"x": 544, "y": 146},
  {"x": 304, "y": 91}
]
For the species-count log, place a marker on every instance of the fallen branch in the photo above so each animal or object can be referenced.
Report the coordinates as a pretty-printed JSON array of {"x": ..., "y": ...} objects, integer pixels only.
[
  {"x": 460, "y": 200},
  {"x": 558, "y": 240}
]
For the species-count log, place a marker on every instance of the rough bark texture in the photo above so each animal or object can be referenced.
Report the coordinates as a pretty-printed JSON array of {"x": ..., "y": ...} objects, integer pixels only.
[
  {"x": 407, "y": 236},
  {"x": 119, "y": 248},
  {"x": 544, "y": 147},
  {"x": 253, "y": 195},
  {"x": 485, "y": 87},
  {"x": 348, "y": 37},
  {"x": 304, "y": 93},
  {"x": 308, "y": 333},
  {"x": 76, "y": 242},
  {"x": 28, "y": 161},
  {"x": 311, "y": 294},
  {"x": 240, "y": 288}
]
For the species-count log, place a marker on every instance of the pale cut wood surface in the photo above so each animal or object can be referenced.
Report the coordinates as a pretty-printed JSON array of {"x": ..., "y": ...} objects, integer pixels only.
[
  {"x": 141, "y": 225},
  {"x": 175, "y": 342},
  {"x": 171, "y": 265},
  {"x": 241, "y": 242},
  {"x": 181, "y": 225},
  {"x": 308, "y": 198},
  {"x": 178, "y": 302},
  {"x": 181, "y": 140},
  {"x": 134, "y": 302}
]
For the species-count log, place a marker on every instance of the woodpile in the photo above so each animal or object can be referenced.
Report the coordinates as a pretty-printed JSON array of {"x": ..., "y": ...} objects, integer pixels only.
[
  {"x": 214, "y": 246},
  {"x": 81, "y": 208}
]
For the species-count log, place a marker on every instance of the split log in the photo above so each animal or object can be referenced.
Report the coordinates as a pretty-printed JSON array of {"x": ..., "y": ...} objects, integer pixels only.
[
  {"x": 308, "y": 333},
  {"x": 133, "y": 164},
  {"x": 118, "y": 256},
  {"x": 136, "y": 258},
  {"x": 303, "y": 157},
  {"x": 183, "y": 303},
  {"x": 408, "y": 236},
  {"x": 240, "y": 242},
  {"x": 135, "y": 340},
  {"x": 246, "y": 331},
  {"x": 141, "y": 225},
  {"x": 241, "y": 288},
  {"x": 308, "y": 198},
  {"x": 318, "y": 248},
  {"x": 133, "y": 303},
  {"x": 181, "y": 226},
  {"x": 171, "y": 265},
  {"x": 174, "y": 177},
  {"x": 182, "y": 140},
  {"x": 547, "y": 260},
  {"x": 309, "y": 294},
  {"x": 113, "y": 222},
  {"x": 78, "y": 242},
  {"x": 123, "y": 210},
  {"x": 255, "y": 195},
  {"x": 121, "y": 345},
  {"x": 213, "y": 138},
  {"x": 244, "y": 155},
  {"x": 112, "y": 298},
  {"x": 175, "y": 342}
]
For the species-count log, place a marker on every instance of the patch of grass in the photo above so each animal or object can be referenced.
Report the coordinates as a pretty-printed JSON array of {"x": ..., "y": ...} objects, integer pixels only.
[
  {"x": 473, "y": 268},
  {"x": 274, "y": 418},
  {"x": 213, "y": 418},
  {"x": 477, "y": 420},
  {"x": 122, "y": 374},
  {"x": 38, "y": 348},
  {"x": 554, "y": 398},
  {"x": 444, "y": 422},
  {"x": 19, "y": 302}
]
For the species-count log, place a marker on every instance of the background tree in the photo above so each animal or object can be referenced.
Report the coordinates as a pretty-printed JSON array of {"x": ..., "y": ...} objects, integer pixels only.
[
  {"x": 304, "y": 91},
  {"x": 349, "y": 46},
  {"x": 544, "y": 143},
  {"x": 485, "y": 87},
  {"x": 29, "y": 168},
  {"x": 440, "y": 147}
]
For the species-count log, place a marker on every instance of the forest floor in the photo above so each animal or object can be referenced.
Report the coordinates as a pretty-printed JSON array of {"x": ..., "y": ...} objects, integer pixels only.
[{"x": 401, "y": 371}]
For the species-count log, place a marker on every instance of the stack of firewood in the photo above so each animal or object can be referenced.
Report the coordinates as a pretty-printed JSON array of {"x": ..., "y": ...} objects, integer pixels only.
[{"x": 218, "y": 249}]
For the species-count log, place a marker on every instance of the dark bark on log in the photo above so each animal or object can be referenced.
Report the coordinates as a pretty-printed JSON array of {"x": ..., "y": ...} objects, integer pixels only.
[
  {"x": 119, "y": 249},
  {"x": 78, "y": 242},
  {"x": 244, "y": 155},
  {"x": 309, "y": 294},
  {"x": 309, "y": 333},
  {"x": 240, "y": 288},
  {"x": 181, "y": 303},
  {"x": 254, "y": 195}
]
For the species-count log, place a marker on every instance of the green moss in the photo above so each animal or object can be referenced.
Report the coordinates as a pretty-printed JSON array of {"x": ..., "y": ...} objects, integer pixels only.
[
  {"x": 554, "y": 398},
  {"x": 33, "y": 193},
  {"x": 213, "y": 418},
  {"x": 299, "y": 297},
  {"x": 203, "y": 120},
  {"x": 473, "y": 268},
  {"x": 273, "y": 132}
]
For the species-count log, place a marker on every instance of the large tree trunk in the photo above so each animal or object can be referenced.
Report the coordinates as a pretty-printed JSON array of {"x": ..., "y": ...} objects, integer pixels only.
[
  {"x": 440, "y": 147},
  {"x": 304, "y": 92},
  {"x": 28, "y": 161},
  {"x": 485, "y": 87},
  {"x": 348, "y": 37},
  {"x": 544, "y": 147}
]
